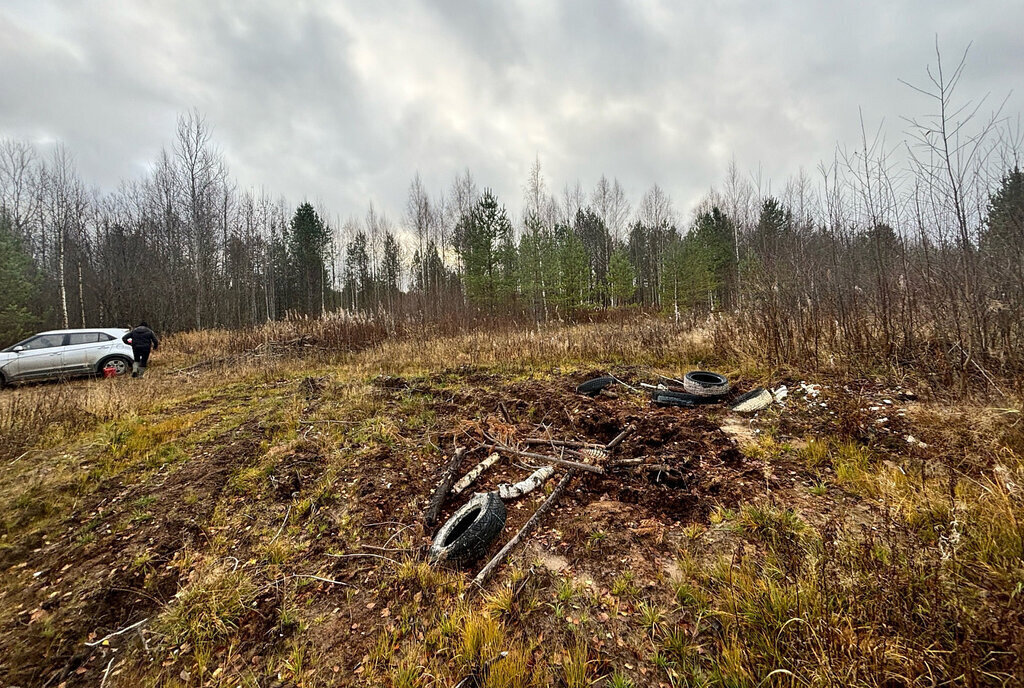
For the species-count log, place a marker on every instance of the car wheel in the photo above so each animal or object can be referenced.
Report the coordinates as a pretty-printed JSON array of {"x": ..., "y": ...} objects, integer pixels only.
[{"x": 120, "y": 364}]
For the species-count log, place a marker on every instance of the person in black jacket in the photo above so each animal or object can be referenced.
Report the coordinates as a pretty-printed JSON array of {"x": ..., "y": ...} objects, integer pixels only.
[{"x": 141, "y": 339}]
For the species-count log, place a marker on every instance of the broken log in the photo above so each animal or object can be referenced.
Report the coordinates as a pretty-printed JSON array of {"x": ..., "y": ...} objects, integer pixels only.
[
  {"x": 487, "y": 571},
  {"x": 553, "y": 459},
  {"x": 523, "y": 487},
  {"x": 626, "y": 432},
  {"x": 447, "y": 478},
  {"x": 477, "y": 471}
]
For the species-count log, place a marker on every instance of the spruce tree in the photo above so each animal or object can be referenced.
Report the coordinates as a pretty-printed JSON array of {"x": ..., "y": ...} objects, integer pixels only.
[
  {"x": 621, "y": 277},
  {"x": 19, "y": 287},
  {"x": 308, "y": 251}
]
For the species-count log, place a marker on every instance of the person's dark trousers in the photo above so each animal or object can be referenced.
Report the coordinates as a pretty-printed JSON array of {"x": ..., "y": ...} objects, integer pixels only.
[{"x": 141, "y": 355}]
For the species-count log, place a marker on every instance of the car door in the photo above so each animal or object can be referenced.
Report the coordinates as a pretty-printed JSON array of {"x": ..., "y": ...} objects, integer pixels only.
[
  {"x": 83, "y": 351},
  {"x": 40, "y": 357}
]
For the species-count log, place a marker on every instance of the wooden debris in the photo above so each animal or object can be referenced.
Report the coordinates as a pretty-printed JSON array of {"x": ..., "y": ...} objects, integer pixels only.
[
  {"x": 563, "y": 443},
  {"x": 553, "y": 459},
  {"x": 477, "y": 471},
  {"x": 117, "y": 633},
  {"x": 523, "y": 487},
  {"x": 487, "y": 571},
  {"x": 447, "y": 478},
  {"x": 622, "y": 463},
  {"x": 626, "y": 432}
]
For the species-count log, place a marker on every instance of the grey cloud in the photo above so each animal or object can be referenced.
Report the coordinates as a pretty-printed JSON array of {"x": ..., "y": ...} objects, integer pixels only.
[{"x": 344, "y": 102}]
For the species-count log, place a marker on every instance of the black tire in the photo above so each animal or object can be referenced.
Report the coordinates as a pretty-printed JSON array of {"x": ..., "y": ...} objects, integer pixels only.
[
  {"x": 123, "y": 363},
  {"x": 754, "y": 400},
  {"x": 470, "y": 531},
  {"x": 685, "y": 398},
  {"x": 685, "y": 401},
  {"x": 701, "y": 383},
  {"x": 592, "y": 387}
]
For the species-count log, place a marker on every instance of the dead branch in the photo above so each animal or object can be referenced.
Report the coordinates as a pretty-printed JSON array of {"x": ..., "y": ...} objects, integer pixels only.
[
  {"x": 443, "y": 487},
  {"x": 624, "y": 462},
  {"x": 487, "y": 571},
  {"x": 626, "y": 432},
  {"x": 283, "y": 524},
  {"x": 553, "y": 459},
  {"x": 290, "y": 576},
  {"x": 475, "y": 473},
  {"x": 117, "y": 633},
  {"x": 362, "y": 554},
  {"x": 106, "y": 673},
  {"x": 562, "y": 443}
]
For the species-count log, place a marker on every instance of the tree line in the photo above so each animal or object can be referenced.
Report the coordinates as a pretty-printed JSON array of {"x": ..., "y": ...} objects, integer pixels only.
[{"x": 904, "y": 251}]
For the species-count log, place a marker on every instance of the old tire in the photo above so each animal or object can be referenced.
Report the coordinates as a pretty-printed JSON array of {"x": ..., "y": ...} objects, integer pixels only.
[
  {"x": 592, "y": 387},
  {"x": 683, "y": 400},
  {"x": 470, "y": 531},
  {"x": 701, "y": 383},
  {"x": 752, "y": 401}
]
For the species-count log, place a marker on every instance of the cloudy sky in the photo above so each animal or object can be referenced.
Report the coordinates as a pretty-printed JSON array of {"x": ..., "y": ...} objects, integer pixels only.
[{"x": 342, "y": 102}]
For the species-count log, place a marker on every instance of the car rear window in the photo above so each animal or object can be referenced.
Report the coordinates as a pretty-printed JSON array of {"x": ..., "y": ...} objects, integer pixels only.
[{"x": 86, "y": 338}]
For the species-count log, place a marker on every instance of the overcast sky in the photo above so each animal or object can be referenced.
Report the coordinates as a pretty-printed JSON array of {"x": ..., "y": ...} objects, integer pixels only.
[{"x": 342, "y": 102}]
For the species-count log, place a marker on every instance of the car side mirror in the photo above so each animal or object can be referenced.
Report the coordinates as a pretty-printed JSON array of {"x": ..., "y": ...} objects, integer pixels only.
[{"x": 18, "y": 349}]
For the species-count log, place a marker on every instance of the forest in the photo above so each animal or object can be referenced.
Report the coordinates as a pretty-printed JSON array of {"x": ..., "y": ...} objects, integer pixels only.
[{"x": 894, "y": 252}]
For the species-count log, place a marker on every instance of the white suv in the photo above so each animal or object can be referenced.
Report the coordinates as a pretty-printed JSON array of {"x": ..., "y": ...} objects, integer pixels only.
[{"x": 65, "y": 353}]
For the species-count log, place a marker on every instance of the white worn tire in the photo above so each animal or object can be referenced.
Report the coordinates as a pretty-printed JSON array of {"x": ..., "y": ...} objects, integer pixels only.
[{"x": 701, "y": 383}]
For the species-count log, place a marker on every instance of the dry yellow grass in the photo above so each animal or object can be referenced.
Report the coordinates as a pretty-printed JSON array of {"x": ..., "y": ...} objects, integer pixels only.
[{"x": 230, "y": 496}]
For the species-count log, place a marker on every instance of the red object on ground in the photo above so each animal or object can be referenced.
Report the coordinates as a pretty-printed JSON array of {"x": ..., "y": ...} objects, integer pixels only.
[{"x": 110, "y": 371}]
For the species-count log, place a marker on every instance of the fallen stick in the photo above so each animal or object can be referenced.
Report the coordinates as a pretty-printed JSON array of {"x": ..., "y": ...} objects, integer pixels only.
[
  {"x": 562, "y": 443},
  {"x": 553, "y": 459},
  {"x": 278, "y": 533},
  {"x": 523, "y": 487},
  {"x": 477, "y": 471},
  {"x": 624, "y": 462},
  {"x": 106, "y": 673},
  {"x": 626, "y": 432},
  {"x": 437, "y": 499},
  {"x": 487, "y": 571},
  {"x": 116, "y": 633}
]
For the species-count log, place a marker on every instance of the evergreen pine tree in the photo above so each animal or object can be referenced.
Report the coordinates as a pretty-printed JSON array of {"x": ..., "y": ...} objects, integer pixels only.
[
  {"x": 1003, "y": 236},
  {"x": 308, "y": 249},
  {"x": 572, "y": 268},
  {"x": 357, "y": 273},
  {"x": 19, "y": 287},
  {"x": 391, "y": 270},
  {"x": 621, "y": 277},
  {"x": 488, "y": 252}
]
